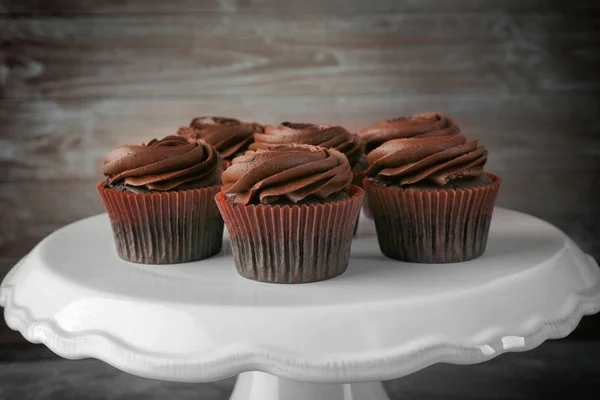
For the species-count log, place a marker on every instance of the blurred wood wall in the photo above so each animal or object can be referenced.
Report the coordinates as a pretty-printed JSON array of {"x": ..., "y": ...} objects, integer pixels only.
[{"x": 80, "y": 77}]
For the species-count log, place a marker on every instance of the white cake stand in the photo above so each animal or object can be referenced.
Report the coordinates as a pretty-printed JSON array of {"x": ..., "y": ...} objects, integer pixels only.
[{"x": 330, "y": 340}]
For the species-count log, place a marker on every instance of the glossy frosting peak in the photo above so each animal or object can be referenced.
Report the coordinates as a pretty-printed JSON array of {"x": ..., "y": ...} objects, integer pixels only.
[
  {"x": 228, "y": 135},
  {"x": 290, "y": 173},
  {"x": 418, "y": 125},
  {"x": 326, "y": 136},
  {"x": 437, "y": 159},
  {"x": 166, "y": 164}
]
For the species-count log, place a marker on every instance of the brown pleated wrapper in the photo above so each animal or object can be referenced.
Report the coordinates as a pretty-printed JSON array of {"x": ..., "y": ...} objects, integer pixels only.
[
  {"x": 164, "y": 228},
  {"x": 432, "y": 226},
  {"x": 297, "y": 244}
]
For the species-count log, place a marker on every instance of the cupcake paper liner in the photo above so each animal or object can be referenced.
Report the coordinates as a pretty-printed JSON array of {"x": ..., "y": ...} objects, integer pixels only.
[
  {"x": 297, "y": 244},
  {"x": 432, "y": 226},
  {"x": 164, "y": 228}
]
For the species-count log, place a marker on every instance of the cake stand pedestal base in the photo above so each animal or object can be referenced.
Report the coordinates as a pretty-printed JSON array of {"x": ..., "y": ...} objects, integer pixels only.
[{"x": 262, "y": 386}]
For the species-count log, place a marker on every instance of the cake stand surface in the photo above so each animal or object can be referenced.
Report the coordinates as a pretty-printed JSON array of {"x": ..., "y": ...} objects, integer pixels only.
[{"x": 335, "y": 339}]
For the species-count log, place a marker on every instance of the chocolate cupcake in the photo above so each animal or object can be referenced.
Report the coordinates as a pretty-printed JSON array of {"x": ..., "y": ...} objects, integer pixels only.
[
  {"x": 431, "y": 200},
  {"x": 418, "y": 125},
  {"x": 229, "y": 136},
  {"x": 331, "y": 137},
  {"x": 290, "y": 213},
  {"x": 160, "y": 200}
]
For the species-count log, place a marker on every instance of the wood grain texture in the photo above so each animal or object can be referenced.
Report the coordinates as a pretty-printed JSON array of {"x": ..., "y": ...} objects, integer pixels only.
[
  {"x": 35, "y": 210},
  {"x": 53, "y": 150},
  {"x": 7, "y": 336},
  {"x": 253, "y": 54},
  {"x": 70, "y": 7},
  {"x": 541, "y": 135}
]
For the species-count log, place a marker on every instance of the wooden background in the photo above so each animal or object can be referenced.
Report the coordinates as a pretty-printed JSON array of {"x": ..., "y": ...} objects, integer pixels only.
[{"x": 80, "y": 77}]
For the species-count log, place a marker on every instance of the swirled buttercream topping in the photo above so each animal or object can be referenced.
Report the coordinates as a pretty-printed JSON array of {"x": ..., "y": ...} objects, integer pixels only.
[
  {"x": 166, "y": 164},
  {"x": 228, "y": 135},
  {"x": 417, "y": 126},
  {"x": 326, "y": 136},
  {"x": 287, "y": 174},
  {"x": 435, "y": 159}
]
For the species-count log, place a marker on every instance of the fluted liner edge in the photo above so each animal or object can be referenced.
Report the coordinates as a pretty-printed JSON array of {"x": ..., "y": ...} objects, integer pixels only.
[
  {"x": 432, "y": 226},
  {"x": 164, "y": 227},
  {"x": 291, "y": 244}
]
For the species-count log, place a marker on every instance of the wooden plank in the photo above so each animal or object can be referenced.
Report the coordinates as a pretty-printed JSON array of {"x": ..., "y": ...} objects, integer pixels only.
[
  {"x": 7, "y": 335},
  {"x": 25, "y": 352},
  {"x": 5, "y": 266},
  {"x": 10, "y": 337},
  {"x": 556, "y": 369},
  {"x": 587, "y": 330},
  {"x": 541, "y": 136},
  {"x": 29, "y": 7},
  {"x": 43, "y": 207},
  {"x": 209, "y": 54}
]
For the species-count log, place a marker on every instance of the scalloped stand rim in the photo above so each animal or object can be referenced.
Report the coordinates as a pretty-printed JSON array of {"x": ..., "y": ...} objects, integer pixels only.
[{"x": 68, "y": 315}]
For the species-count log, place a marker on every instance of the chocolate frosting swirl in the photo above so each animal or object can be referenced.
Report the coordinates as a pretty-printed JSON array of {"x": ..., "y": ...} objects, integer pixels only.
[
  {"x": 169, "y": 163},
  {"x": 290, "y": 173},
  {"x": 438, "y": 159},
  {"x": 418, "y": 125},
  {"x": 228, "y": 135},
  {"x": 326, "y": 136}
]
